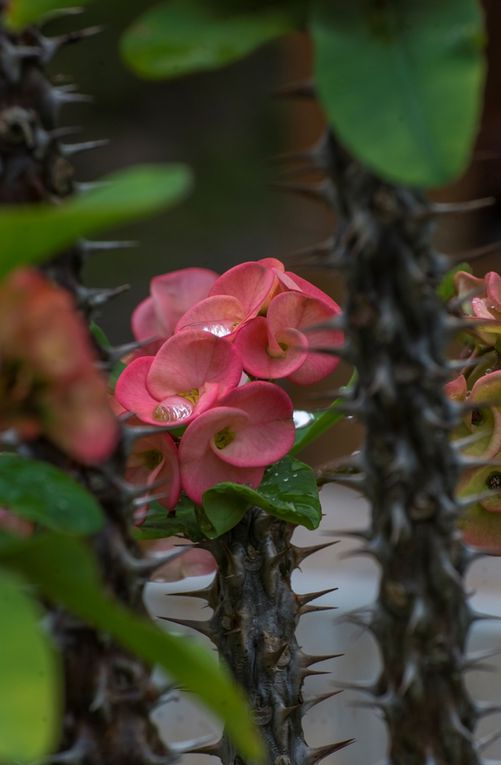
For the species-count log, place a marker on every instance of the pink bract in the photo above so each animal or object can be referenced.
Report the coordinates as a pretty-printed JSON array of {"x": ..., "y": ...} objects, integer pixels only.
[
  {"x": 236, "y": 296},
  {"x": 191, "y": 371},
  {"x": 250, "y": 428},
  {"x": 485, "y": 420},
  {"x": 171, "y": 295},
  {"x": 283, "y": 344},
  {"x": 153, "y": 460},
  {"x": 482, "y": 302},
  {"x": 49, "y": 383}
]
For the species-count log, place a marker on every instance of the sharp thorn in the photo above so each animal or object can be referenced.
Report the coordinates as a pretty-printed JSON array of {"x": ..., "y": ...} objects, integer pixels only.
[
  {"x": 308, "y": 661},
  {"x": 93, "y": 298},
  {"x": 321, "y": 191},
  {"x": 90, "y": 247},
  {"x": 320, "y": 752},
  {"x": 315, "y": 609},
  {"x": 204, "y": 628},
  {"x": 71, "y": 149},
  {"x": 486, "y": 741},
  {"x": 474, "y": 253},
  {"x": 87, "y": 186},
  {"x": 118, "y": 352},
  {"x": 148, "y": 498},
  {"x": 307, "y": 597},
  {"x": 301, "y": 553},
  {"x": 312, "y": 702},
  {"x": 194, "y": 745},
  {"x": 455, "y": 208}
]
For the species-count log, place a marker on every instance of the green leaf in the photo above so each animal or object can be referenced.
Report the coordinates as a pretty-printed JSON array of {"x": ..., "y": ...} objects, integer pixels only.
[
  {"x": 183, "y": 36},
  {"x": 183, "y": 521},
  {"x": 288, "y": 491},
  {"x": 65, "y": 571},
  {"x": 30, "y": 233},
  {"x": 319, "y": 422},
  {"x": 446, "y": 289},
  {"x": 20, "y": 13},
  {"x": 30, "y": 702},
  {"x": 42, "y": 493},
  {"x": 402, "y": 82}
]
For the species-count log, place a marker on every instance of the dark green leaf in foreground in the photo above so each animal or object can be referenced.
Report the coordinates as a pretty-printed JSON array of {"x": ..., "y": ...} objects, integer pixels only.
[
  {"x": 65, "y": 571},
  {"x": 288, "y": 490},
  {"x": 30, "y": 703},
  {"x": 183, "y": 36},
  {"x": 44, "y": 494},
  {"x": 402, "y": 83},
  {"x": 33, "y": 232},
  {"x": 20, "y": 13}
]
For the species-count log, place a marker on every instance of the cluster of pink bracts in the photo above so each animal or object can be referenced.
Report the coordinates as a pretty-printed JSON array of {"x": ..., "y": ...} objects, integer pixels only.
[
  {"x": 480, "y": 387},
  {"x": 206, "y": 336},
  {"x": 49, "y": 382}
]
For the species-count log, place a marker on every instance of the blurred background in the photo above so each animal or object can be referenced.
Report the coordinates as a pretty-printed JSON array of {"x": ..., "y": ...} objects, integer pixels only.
[{"x": 228, "y": 126}]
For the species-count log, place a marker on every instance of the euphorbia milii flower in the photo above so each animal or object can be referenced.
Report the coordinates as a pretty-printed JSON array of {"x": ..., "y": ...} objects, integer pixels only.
[
  {"x": 486, "y": 305},
  {"x": 171, "y": 296},
  {"x": 282, "y": 343},
  {"x": 190, "y": 372},
  {"x": 484, "y": 420},
  {"x": 237, "y": 295},
  {"x": 249, "y": 429},
  {"x": 49, "y": 384},
  {"x": 154, "y": 461}
]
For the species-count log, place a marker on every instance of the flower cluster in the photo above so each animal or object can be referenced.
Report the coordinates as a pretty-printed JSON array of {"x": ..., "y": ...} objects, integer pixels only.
[
  {"x": 205, "y": 337},
  {"x": 49, "y": 382},
  {"x": 479, "y": 387}
]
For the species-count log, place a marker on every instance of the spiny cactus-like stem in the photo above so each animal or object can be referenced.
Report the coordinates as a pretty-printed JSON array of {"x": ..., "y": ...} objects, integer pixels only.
[
  {"x": 109, "y": 693},
  {"x": 255, "y": 616},
  {"x": 396, "y": 334}
]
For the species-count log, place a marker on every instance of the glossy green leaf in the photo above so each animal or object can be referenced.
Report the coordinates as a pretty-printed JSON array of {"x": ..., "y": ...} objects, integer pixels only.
[
  {"x": 30, "y": 702},
  {"x": 65, "y": 571},
  {"x": 30, "y": 233},
  {"x": 182, "y": 36},
  {"x": 183, "y": 521},
  {"x": 20, "y": 13},
  {"x": 288, "y": 491},
  {"x": 402, "y": 83},
  {"x": 44, "y": 494}
]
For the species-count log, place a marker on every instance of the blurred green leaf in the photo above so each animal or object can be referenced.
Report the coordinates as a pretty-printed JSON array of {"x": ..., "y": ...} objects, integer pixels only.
[
  {"x": 288, "y": 491},
  {"x": 20, "y": 13},
  {"x": 30, "y": 233},
  {"x": 183, "y": 36},
  {"x": 446, "y": 289},
  {"x": 402, "y": 83},
  {"x": 42, "y": 493},
  {"x": 30, "y": 703},
  {"x": 65, "y": 571}
]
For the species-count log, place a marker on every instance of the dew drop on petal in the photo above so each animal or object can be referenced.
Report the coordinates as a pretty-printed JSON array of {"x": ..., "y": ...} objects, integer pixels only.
[{"x": 302, "y": 418}]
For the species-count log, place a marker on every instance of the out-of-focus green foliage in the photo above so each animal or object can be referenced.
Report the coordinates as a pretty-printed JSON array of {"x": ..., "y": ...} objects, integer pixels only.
[
  {"x": 182, "y": 36},
  {"x": 20, "y": 13},
  {"x": 402, "y": 83},
  {"x": 65, "y": 571},
  {"x": 446, "y": 289},
  {"x": 40, "y": 492},
  {"x": 33, "y": 232},
  {"x": 30, "y": 703}
]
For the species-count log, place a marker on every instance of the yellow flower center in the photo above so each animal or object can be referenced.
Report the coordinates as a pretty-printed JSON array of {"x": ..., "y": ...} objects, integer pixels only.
[{"x": 223, "y": 438}]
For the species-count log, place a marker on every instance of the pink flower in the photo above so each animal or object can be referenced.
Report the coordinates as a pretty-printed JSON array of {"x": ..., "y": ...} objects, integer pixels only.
[
  {"x": 238, "y": 295},
  {"x": 190, "y": 372},
  {"x": 171, "y": 296},
  {"x": 49, "y": 384},
  {"x": 248, "y": 430},
  {"x": 484, "y": 305},
  {"x": 154, "y": 460},
  {"x": 283, "y": 343},
  {"x": 484, "y": 420}
]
